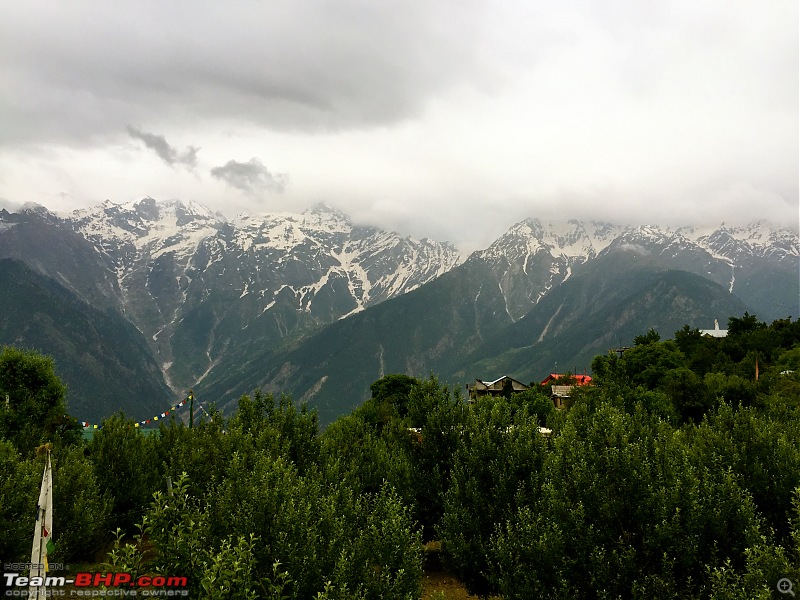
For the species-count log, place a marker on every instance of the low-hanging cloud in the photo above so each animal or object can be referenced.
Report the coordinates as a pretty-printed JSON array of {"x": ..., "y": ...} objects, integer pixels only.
[
  {"x": 169, "y": 154},
  {"x": 251, "y": 177}
]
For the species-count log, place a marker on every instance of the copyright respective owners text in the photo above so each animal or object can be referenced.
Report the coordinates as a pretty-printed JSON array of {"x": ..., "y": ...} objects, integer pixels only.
[{"x": 90, "y": 584}]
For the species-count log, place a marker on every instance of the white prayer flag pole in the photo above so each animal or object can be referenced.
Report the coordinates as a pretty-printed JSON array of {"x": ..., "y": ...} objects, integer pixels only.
[{"x": 42, "y": 533}]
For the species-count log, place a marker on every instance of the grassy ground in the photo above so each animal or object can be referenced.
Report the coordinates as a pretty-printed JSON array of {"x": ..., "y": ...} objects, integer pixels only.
[
  {"x": 437, "y": 582},
  {"x": 438, "y": 585}
]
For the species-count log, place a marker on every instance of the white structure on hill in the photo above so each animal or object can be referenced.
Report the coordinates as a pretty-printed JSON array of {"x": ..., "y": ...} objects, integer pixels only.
[{"x": 716, "y": 332}]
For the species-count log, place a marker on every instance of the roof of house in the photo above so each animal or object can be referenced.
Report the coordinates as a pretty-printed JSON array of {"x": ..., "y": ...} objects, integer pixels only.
[
  {"x": 499, "y": 379},
  {"x": 577, "y": 379}
]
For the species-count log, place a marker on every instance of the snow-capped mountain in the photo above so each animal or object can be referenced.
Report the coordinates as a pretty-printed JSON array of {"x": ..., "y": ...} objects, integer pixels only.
[
  {"x": 222, "y": 301},
  {"x": 532, "y": 257},
  {"x": 541, "y": 295},
  {"x": 315, "y": 246},
  {"x": 200, "y": 286}
]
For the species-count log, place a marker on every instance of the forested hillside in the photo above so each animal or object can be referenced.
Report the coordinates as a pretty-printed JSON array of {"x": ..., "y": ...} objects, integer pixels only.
[
  {"x": 96, "y": 344},
  {"x": 676, "y": 475}
]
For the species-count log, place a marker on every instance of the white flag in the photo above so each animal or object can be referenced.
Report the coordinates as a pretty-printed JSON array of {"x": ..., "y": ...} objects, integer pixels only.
[{"x": 42, "y": 534}]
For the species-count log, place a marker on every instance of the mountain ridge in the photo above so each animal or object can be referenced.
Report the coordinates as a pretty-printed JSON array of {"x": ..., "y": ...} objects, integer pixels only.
[
  {"x": 184, "y": 270},
  {"x": 218, "y": 298}
]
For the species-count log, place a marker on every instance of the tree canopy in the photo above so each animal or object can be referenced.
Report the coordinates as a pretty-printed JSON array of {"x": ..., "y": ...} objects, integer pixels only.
[{"x": 676, "y": 474}]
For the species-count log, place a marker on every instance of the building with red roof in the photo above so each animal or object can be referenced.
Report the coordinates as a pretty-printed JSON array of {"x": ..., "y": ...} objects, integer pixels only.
[{"x": 575, "y": 379}]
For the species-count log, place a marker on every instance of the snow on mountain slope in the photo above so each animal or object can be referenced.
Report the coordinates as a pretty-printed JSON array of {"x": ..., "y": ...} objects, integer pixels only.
[
  {"x": 310, "y": 254},
  {"x": 378, "y": 264},
  {"x": 192, "y": 280},
  {"x": 532, "y": 256},
  {"x": 571, "y": 239},
  {"x": 754, "y": 240}
]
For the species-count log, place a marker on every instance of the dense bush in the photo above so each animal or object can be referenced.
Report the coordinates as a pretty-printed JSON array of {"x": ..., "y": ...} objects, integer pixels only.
[
  {"x": 496, "y": 469},
  {"x": 677, "y": 474}
]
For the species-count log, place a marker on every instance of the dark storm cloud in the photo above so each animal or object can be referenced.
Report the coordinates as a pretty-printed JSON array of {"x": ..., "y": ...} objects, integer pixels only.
[
  {"x": 251, "y": 177},
  {"x": 167, "y": 153},
  {"x": 75, "y": 71}
]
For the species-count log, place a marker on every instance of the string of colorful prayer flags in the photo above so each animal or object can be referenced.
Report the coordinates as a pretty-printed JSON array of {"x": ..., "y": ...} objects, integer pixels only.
[{"x": 163, "y": 415}]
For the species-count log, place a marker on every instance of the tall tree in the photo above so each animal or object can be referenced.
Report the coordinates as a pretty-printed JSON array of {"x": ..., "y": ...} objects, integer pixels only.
[{"x": 32, "y": 401}]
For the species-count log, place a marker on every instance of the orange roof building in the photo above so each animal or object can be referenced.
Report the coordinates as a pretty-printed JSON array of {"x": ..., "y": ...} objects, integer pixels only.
[{"x": 576, "y": 379}]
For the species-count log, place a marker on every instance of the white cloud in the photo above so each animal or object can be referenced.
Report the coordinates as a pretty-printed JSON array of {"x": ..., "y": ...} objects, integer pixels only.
[{"x": 447, "y": 119}]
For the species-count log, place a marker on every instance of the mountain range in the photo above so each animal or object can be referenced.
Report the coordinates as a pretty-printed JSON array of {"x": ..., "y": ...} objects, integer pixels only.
[{"x": 160, "y": 297}]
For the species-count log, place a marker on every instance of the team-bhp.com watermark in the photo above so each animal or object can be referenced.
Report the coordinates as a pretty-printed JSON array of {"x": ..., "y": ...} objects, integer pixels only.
[{"x": 95, "y": 585}]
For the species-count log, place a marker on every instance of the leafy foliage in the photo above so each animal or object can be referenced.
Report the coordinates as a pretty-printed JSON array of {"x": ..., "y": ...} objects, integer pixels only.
[
  {"x": 677, "y": 475},
  {"x": 496, "y": 468},
  {"x": 124, "y": 464},
  {"x": 19, "y": 485},
  {"x": 32, "y": 401},
  {"x": 278, "y": 512}
]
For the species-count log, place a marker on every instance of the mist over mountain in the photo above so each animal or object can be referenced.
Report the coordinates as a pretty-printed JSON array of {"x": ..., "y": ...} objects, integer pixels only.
[{"x": 312, "y": 305}]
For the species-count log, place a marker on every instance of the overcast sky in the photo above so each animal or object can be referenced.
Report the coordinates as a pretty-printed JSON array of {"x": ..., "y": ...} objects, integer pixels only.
[{"x": 451, "y": 120}]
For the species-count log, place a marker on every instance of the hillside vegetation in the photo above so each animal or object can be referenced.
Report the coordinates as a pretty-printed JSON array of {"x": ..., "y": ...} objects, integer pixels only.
[{"x": 676, "y": 475}]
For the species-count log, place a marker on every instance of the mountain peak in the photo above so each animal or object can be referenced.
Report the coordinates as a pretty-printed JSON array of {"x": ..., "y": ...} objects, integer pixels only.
[
  {"x": 571, "y": 238},
  {"x": 323, "y": 211},
  {"x": 182, "y": 211},
  {"x": 34, "y": 208},
  {"x": 323, "y": 207}
]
